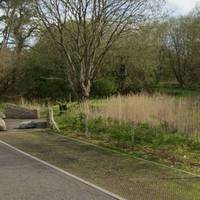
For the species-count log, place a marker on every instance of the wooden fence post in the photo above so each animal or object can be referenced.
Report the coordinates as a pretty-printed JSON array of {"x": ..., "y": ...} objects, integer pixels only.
[
  {"x": 50, "y": 117},
  {"x": 132, "y": 136}
]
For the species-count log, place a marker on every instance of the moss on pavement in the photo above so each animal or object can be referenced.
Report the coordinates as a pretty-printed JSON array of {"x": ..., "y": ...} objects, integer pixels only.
[{"x": 126, "y": 176}]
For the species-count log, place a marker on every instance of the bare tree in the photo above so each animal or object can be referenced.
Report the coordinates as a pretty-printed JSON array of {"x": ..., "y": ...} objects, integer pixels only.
[
  {"x": 17, "y": 26},
  {"x": 17, "y": 23},
  {"x": 7, "y": 11},
  {"x": 180, "y": 47},
  {"x": 24, "y": 26},
  {"x": 85, "y": 30},
  {"x": 5, "y": 69}
]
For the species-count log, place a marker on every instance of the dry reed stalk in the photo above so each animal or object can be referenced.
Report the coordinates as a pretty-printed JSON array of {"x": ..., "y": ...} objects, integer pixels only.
[{"x": 181, "y": 114}]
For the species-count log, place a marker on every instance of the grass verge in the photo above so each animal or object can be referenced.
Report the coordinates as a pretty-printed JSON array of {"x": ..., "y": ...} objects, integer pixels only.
[
  {"x": 158, "y": 144},
  {"x": 176, "y": 90},
  {"x": 123, "y": 175}
]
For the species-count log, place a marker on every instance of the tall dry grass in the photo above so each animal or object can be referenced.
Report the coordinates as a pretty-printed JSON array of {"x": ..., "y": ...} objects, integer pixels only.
[
  {"x": 33, "y": 105},
  {"x": 181, "y": 114}
]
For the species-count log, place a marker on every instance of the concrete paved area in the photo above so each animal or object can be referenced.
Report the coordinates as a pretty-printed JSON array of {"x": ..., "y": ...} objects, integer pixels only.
[
  {"x": 13, "y": 124},
  {"x": 129, "y": 177},
  {"x": 23, "y": 178}
]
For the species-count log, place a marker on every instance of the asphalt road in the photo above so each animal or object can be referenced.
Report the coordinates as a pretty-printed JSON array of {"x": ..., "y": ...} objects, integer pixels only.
[{"x": 23, "y": 178}]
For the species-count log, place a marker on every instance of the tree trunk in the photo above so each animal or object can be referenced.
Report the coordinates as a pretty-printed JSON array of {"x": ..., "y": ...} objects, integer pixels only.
[
  {"x": 178, "y": 76},
  {"x": 85, "y": 119},
  {"x": 132, "y": 136},
  {"x": 85, "y": 90}
]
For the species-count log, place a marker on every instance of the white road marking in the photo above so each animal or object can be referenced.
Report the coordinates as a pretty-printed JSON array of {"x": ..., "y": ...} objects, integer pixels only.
[{"x": 64, "y": 172}]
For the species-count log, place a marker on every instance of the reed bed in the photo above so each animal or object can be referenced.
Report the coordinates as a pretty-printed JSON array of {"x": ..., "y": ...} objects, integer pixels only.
[
  {"x": 178, "y": 114},
  {"x": 33, "y": 105}
]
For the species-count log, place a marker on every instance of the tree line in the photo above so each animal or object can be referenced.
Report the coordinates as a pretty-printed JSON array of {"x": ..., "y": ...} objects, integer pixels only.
[{"x": 57, "y": 48}]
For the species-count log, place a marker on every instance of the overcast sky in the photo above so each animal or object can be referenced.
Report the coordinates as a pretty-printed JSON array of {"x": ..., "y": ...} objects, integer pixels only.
[{"x": 183, "y": 6}]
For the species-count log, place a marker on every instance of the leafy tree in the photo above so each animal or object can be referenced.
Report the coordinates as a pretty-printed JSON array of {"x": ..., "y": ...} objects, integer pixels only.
[
  {"x": 94, "y": 27},
  {"x": 41, "y": 73},
  {"x": 104, "y": 87},
  {"x": 140, "y": 53},
  {"x": 17, "y": 27}
]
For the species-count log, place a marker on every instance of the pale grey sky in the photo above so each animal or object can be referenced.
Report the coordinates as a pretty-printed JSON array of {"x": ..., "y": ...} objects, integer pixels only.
[{"x": 183, "y": 6}]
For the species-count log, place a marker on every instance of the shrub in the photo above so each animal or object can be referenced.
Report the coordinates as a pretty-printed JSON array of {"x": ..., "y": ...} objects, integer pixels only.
[
  {"x": 97, "y": 126},
  {"x": 196, "y": 146},
  {"x": 144, "y": 134},
  {"x": 138, "y": 87},
  {"x": 104, "y": 87},
  {"x": 121, "y": 133},
  {"x": 171, "y": 139},
  {"x": 133, "y": 88}
]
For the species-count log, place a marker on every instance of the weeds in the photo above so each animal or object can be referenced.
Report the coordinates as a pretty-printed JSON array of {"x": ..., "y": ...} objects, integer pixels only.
[
  {"x": 121, "y": 134},
  {"x": 178, "y": 114},
  {"x": 158, "y": 142}
]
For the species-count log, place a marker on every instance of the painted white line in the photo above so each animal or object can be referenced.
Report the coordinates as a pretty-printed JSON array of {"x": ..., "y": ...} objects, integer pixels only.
[{"x": 64, "y": 172}]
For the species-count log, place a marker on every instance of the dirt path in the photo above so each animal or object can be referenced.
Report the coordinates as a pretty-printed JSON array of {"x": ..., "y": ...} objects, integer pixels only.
[{"x": 126, "y": 176}]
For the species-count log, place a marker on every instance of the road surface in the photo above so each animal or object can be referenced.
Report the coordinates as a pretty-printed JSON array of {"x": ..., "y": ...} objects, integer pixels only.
[{"x": 23, "y": 178}]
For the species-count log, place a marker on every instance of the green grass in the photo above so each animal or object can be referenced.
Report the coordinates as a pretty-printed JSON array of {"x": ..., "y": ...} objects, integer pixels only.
[
  {"x": 176, "y": 90},
  {"x": 125, "y": 175},
  {"x": 1, "y": 107},
  {"x": 159, "y": 144}
]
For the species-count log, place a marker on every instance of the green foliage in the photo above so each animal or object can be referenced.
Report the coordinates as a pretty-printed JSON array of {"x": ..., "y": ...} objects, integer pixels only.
[
  {"x": 148, "y": 54},
  {"x": 140, "y": 54},
  {"x": 152, "y": 143},
  {"x": 170, "y": 139},
  {"x": 117, "y": 133},
  {"x": 134, "y": 88},
  {"x": 138, "y": 87},
  {"x": 72, "y": 121},
  {"x": 96, "y": 126},
  {"x": 1, "y": 107},
  {"x": 121, "y": 133},
  {"x": 104, "y": 87},
  {"x": 176, "y": 90},
  {"x": 196, "y": 146},
  {"x": 41, "y": 74},
  {"x": 144, "y": 134}
]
